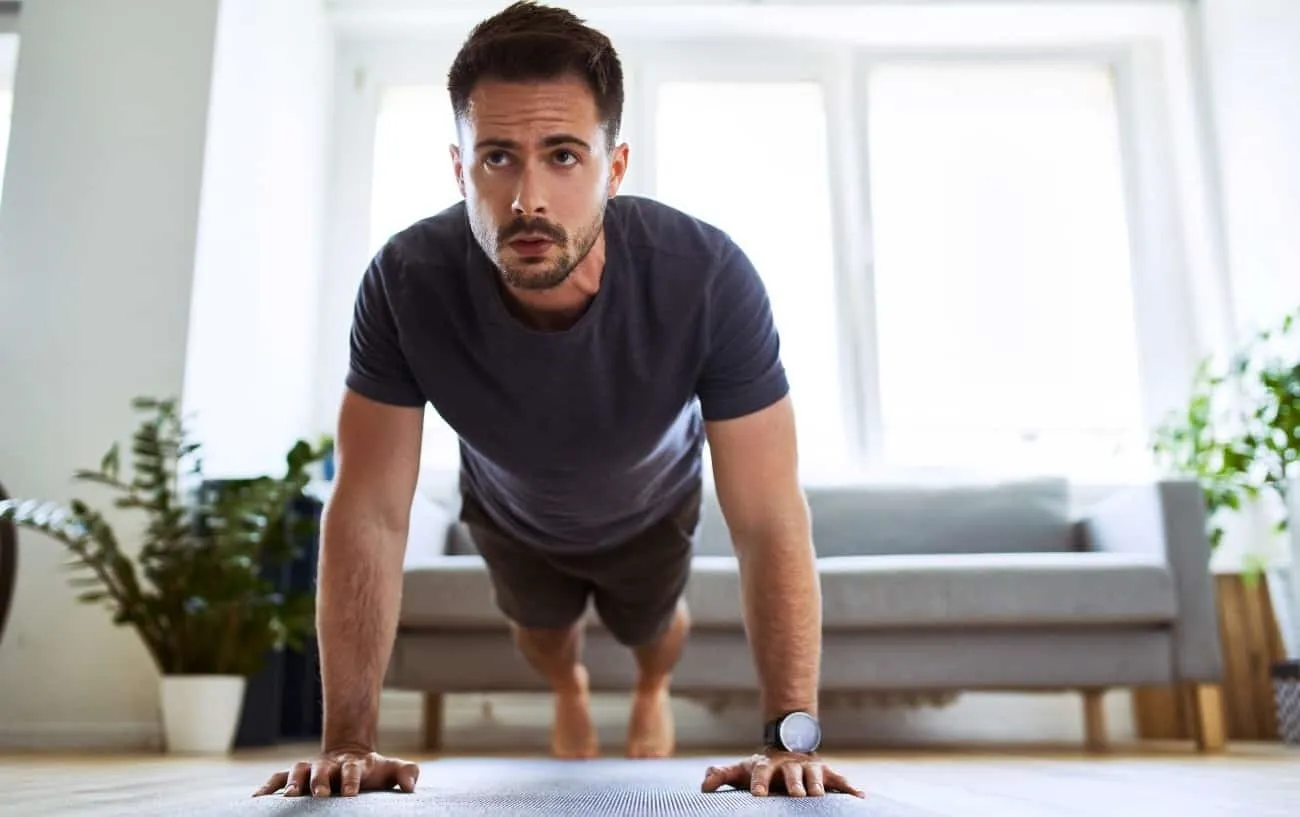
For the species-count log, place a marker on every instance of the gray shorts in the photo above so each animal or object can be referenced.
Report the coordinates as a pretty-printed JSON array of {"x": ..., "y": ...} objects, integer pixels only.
[{"x": 635, "y": 585}]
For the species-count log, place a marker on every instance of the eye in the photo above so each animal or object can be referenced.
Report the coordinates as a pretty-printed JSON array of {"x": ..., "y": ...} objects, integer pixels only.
[
  {"x": 496, "y": 158},
  {"x": 566, "y": 157}
]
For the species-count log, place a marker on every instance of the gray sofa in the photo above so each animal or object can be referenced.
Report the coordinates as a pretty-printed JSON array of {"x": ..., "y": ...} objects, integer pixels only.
[{"x": 927, "y": 589}]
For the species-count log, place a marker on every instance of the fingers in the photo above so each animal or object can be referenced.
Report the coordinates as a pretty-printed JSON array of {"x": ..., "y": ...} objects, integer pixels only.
[
  {"x": 814, "y": 780},
  {"x": 394, "y": 772},
  {"x": 297, "y": 782},
  {"x": 322, "y": 777},
  {"x": 760, "y": 776},
  {"x": 350, "y": 777},
  {"x": 407, "y": 774},
  {"x": 274, "y": 784},
  {"x": 718, "y": 776},
  {"x": 836, "y": 781},
  {"x": 792, "y": 773}
]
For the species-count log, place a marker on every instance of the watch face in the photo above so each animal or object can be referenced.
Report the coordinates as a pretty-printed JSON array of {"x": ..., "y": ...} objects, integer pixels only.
[{"x": 800, "y": 732}]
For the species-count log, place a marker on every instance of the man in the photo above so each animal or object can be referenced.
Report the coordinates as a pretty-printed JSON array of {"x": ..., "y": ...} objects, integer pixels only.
[{"x": 584, "y": 347}]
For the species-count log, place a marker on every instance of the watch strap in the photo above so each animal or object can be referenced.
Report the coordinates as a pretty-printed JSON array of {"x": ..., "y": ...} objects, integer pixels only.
[{"x": 772, "y": 732}]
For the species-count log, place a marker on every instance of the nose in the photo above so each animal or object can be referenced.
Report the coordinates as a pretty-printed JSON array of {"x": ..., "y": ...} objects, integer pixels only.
[{"x": 530, "y": 196}]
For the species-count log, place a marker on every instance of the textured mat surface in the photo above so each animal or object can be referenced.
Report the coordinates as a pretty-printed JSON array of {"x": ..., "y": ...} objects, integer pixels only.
[{"x": 598, "y": 788}]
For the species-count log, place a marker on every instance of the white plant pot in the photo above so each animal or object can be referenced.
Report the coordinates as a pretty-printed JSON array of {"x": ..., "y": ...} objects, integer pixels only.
[{"x": 201, "y": 712}]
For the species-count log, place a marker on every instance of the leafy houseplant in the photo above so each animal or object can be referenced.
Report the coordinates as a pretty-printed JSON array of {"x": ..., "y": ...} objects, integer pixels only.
[
  {"x": 1239, "y": 433},
  {"x": 196, "y": 593}
]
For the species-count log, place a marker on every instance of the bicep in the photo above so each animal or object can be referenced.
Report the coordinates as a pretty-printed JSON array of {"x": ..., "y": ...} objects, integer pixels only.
[
  {"x": 756, "y": 473},
  {"x": 378, "y": 455}
]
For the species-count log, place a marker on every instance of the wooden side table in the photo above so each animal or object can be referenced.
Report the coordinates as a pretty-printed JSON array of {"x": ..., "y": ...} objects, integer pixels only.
[{"x": 1252, "y": 643}]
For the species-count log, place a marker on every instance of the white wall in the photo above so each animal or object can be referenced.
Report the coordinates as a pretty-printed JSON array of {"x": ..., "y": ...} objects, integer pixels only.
[
  {"x": 250, "y": 373},
  {"x": 161, "y": 228},
  {"x": 1252, "y": 58},
  {"x": 97, "y": 236}
]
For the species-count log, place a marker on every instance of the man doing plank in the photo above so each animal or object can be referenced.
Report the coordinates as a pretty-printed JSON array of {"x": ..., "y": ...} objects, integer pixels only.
[{"x": 584, "y": 346}]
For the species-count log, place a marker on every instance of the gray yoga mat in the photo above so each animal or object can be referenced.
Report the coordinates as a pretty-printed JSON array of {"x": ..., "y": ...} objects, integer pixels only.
[{"x": 594, "y": 788}]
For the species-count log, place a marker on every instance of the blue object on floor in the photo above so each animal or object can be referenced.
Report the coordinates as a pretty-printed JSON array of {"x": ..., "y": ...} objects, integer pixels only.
[{"x": 479, "y": 787}]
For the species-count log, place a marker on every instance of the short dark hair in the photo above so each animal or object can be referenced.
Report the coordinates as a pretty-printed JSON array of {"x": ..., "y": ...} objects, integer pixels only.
[{"x": 528, "y": 41}]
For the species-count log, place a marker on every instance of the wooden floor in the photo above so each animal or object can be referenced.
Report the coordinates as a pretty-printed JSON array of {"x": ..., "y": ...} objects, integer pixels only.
[{"x": 1249, "y": 780}]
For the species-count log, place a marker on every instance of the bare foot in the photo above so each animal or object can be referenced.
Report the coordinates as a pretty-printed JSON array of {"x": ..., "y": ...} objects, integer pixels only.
[
  {"x": 650, "y": 732},
  {"x": 573, "y": 734}
]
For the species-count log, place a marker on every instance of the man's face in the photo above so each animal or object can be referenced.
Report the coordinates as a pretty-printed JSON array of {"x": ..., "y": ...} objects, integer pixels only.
[{"x": 536, "y": 171}]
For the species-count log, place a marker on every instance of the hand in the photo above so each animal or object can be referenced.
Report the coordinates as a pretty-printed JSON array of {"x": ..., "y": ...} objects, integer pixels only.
[
  {"x": 344, "y": 771},
  {"x": 797, "y": 774}
]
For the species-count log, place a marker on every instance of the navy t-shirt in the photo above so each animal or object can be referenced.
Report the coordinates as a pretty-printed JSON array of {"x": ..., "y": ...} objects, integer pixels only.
[{"x": 581, "y": 438}]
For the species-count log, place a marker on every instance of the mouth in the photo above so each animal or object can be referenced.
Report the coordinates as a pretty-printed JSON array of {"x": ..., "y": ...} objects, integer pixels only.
[{"x": 531, "y": 245}]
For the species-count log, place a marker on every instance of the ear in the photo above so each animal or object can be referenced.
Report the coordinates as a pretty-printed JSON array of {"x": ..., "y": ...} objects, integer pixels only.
[
  {"x": 617, "y": 169},
  {"x": 458, "y": 167}
]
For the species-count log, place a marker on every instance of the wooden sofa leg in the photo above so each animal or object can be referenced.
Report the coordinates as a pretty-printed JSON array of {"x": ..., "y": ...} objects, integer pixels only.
[
  {"x": 433, "y": 715},
  {"x": 1208, "y": 719},
  {"x": 1094, "y": 719}
]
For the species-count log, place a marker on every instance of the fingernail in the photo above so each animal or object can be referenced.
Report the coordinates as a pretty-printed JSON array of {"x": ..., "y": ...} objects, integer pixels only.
[{"x": 759, "y": 790}]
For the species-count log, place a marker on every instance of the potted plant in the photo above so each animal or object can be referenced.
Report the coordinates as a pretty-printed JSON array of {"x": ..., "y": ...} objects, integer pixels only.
[
  {"x": 1239, "y": 432},
  {"x": 195, "y": 591},
  {"x": 1238, "y": 435}
]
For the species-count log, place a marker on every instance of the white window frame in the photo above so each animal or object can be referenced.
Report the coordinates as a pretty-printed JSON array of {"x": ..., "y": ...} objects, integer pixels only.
[{"x": 1178, "y": 277}]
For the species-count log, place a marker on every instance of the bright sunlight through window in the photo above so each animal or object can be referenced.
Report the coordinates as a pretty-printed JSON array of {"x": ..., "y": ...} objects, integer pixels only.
[
  {"x": 413, "y": 176},
  {"x": 413, "y": 179},
  {"x": 751, "y": 158},
  {"x": 1005, "y": 317},
  {"x": 6, "y": 105}
]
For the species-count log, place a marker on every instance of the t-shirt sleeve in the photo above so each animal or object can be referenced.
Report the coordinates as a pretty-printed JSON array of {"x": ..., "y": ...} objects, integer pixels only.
[
  {"x": 377, "y": 366},
  {"x": 742, "y": 372}
]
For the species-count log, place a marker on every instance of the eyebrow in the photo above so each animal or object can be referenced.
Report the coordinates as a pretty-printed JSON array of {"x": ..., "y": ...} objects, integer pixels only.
[{"x": 555, "y": 140}]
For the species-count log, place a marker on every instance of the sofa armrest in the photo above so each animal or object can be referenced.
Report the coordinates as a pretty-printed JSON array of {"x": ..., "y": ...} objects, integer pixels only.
[{"x": 1166, "y": 519}]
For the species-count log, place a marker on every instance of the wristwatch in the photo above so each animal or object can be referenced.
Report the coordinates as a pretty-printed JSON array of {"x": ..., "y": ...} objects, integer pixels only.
[{"x": 793, "y": 732}]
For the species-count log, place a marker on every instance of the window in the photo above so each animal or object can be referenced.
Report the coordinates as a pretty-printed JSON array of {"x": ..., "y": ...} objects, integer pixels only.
[
  {"x": 752, "y": 159},
  {"x": 6, "y": 105},
  {"x": 8, "y": 63},
  {"x": 413, "y": 179},
  {"x": 1004, "y": 321},
  {"x": 413, "y": 176},
  {"x": 947, "y": 240}
]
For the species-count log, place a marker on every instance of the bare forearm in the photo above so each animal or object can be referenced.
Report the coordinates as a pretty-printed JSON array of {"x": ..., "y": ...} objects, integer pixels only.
[
  {"x": 358, "y": 598},
  {"x": 783, "y": 614}
]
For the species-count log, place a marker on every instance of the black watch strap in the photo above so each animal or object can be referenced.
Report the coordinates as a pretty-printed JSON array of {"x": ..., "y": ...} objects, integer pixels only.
[{"x": 772, "y": 733}]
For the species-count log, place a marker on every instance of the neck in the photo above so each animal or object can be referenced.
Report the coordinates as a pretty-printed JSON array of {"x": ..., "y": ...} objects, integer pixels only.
[{"x": 560, "y": 307}]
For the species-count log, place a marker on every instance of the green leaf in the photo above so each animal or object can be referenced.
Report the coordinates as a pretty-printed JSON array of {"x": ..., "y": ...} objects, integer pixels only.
[{"x": 110, "y": 464}]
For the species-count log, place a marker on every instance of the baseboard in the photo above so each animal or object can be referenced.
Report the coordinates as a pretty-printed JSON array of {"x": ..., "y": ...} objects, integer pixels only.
[{"x": 126, "y": 736}]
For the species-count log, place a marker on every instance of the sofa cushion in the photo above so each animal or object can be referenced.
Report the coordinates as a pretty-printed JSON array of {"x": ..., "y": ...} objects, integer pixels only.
[
  {"x": 962, "y": 590},
  {"x": 1031, "y": 589},
  {"x": 450, "y": 591},
  {"x": 1014, "y": 516}
]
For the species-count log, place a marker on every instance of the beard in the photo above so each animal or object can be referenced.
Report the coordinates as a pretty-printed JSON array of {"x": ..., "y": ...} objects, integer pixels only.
[{"x": 534, "y": 274}]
